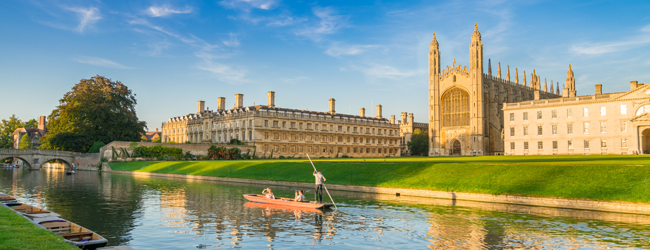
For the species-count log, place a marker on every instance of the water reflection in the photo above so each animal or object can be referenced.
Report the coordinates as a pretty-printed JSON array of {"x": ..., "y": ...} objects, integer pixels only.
[{"x": 155, "y": 213}]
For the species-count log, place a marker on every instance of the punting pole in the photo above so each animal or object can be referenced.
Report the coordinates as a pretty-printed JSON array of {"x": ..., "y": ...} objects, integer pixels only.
[{"x": 328, "y": 192}]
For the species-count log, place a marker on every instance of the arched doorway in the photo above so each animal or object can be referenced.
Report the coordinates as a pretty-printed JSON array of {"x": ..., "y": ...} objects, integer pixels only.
[
  {"x": 645, "y": 141},
  {"x": 455, "y": 147}
]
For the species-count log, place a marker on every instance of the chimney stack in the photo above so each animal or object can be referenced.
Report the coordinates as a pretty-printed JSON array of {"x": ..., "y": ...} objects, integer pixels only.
[
  {"x": 379, "y": 111},
  {"x": 42, "y": 129},
  {"x": 200, "y": 107},
  {"x": 221, "y": 104},
  {"x": 239, "y": 101},
  {"x": 332, "y": 109},
  {"x": 599, "y": 89},
  {"x": 411, "y": 118},
  {"x": 403, "y": 116},
  {"x": 271, "y": 99},
  {"x": 362, "y": 112},
  {"x": 633, "y": 85},
  {"x": 392, "y": 119}
]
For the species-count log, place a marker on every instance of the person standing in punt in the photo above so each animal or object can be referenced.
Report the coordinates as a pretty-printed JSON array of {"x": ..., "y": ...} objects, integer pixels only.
[{"x": 319, "y": 186}]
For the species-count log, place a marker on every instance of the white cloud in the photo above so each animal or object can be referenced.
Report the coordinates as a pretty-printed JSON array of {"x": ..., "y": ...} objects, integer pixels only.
[
  {"x": 232, "y": 42},
  {"x": 608, "y": 47},
  {"x": 87, "y": 17},
  {"x": 165, "y": 10},
  {"x": 338, "y": 49},
  {"x": 101, "y": 62},
  {"x": 248, "y": 4},
  {"x": 328, "y": 23},
  {"x": 386, "y": 71},
  {"x": 224, "y": 72}
]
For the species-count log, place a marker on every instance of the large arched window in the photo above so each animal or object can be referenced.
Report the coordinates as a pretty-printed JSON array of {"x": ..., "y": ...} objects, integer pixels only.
[{"x": 455, "y": 108}]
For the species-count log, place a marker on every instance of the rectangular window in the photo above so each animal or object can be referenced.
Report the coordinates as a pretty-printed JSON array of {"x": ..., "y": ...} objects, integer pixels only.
[
  {"x": 586, "y": 144},
  {"x": 554, "y": 144},
  {"x": 554, "y": 114},
  {"x": 266, "y": 123},
  {"x": 525, "y": 145},
  {"x": 623, "y": 126},
  {"x": 540, "y": 145},
  {"x": 293, "y": 124},
  {"x": 539, "y": 115},
  {"x": 623, "y": 142},
  {"x": 250, "y": 135},
  {"x": 512, "y": 131},
  {"x": 512, "y": 117},
  {"x": 585, "y": 127},
  {"x": 569, "y": 144},
  {"x": 539, "y": 130},
  {"x": 603, "y": 127},
  {"x": 275, "y": 124},
  {"x": 284, "y": 124},
  {"x": 554, "y": 129},
  {"x": 623, "y": 109},
  {"x": 569, "y": 113},
  {"x": 585, "y": 112},
  {"x": 525, "y": 130},
  {"x": 603, "y": 111},
  {"x": 512, "y": 145},
  {"x": 569, "y": 128},
  {"x": 525, "y": 116},
  {"x": 603, "y": 143},
  {"x": 250, "y": 123}
]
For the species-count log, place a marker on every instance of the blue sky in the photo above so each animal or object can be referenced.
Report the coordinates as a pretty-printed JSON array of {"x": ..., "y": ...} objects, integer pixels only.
[{"x": 362, "y": 53}]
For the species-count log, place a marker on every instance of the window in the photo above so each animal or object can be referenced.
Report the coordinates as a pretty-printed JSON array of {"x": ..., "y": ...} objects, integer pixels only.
[
  {"x": 512, "y": 145},
  {"x": 554, "y": 114},
  {"x": 569, "y": 128},
  {"x": 512, "y": 117},
  {"x": 293, "y": 124},
  {"x": 525, "y": 116},
  {"x": 603, "y": 127},
  {"x": 569, "y": 144},
  {"x": 585, "y": 112},
  {"x": 554, "y": 144},
  {"x": 603, "y": 143},
  {"x": 525, "y": 145},
  {"x": 540, "y": 145},
  {"x": 455, "y": 108},
  {"x": 603, "y": 111},
  {"x": 340, "y": 128},
  {"x": 266, "y": 135},
  {"x": 539, "y": 115},
  {"x": 623, "y": 109},
  {"x": 250, "y": 123},
  {"x": 525, "y": 130},
  {"x": 275, "y": 124},
  {"x": 284, "y": 124},
  {"x": 276, "y": 136},
  {"x": 308, "y": 125},
  {"x": 237, "y": 124},
  {"x": 623, "y": 142},
  {"x": 250, "y": 135},
  {"x": 623, "y": 126},
  {"x": 586, "y": 144},
  {"x": 585, "y": 127},
  {"x": 539, "y": 130},
  {"x": 512, "y": 131},
  {"x": 569, "y": 113}
]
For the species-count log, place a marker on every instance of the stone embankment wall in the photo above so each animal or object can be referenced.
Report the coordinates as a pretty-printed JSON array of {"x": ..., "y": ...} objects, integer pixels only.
[{"x": 195, "y": 149}]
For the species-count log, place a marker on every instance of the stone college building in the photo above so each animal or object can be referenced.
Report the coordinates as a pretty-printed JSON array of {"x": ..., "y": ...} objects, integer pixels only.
[{"x": 476, "y": 113}]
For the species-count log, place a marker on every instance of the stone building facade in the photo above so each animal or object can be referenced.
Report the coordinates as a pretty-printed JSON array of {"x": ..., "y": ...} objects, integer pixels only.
[
  {"x": 406, "y": 127},
  {"x": 615, "y": 123},
  {"x": 465, "y": 102},
  {"x": 34, "y": 134},
  {"x": 288, "y": 132}
]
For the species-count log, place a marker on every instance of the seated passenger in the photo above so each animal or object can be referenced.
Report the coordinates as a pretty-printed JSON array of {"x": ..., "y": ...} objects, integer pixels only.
[
  {"x": 268, "y": 194},
  {"x": 299, "y": 196}
]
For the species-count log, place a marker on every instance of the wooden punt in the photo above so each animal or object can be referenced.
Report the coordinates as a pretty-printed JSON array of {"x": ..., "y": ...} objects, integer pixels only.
[
  {"x": 74, "y": 234},
  {"x": 31, "y": 212},
  {"x": 7, "y": 199},
  {"x": 286, "y": 202},
  {"x": 284, "y": 208}
]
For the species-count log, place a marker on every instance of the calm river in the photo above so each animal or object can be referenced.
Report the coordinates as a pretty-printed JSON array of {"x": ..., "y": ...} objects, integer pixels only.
[{"x": 155, "y": 213}]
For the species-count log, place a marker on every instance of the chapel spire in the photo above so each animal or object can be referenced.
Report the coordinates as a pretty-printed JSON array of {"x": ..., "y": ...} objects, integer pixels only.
[
  {"x": 508, "y": 73},
  {"x": 499, "y": 71}
]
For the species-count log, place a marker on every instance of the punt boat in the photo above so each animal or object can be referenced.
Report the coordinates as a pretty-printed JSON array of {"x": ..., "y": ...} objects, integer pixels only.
[
  {"x": 287, "y": 202},
  {"x": 284, "y": 208},
  {"x": 74, "y": 234},
  {"x": 7, "y": 199},
  {"x": 31, "y": 212}
]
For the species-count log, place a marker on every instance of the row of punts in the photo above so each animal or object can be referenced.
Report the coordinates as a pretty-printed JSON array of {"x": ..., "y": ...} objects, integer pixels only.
[{"x": 71, "y": 232}]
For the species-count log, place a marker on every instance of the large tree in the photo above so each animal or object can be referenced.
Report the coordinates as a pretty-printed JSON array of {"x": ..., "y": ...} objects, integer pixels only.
[
  {"x": 7, "y": 129},
  {"x": 25, "y": 142},
  {"x": 96, "y": 109},
  {"x": 419, "y": 144}
]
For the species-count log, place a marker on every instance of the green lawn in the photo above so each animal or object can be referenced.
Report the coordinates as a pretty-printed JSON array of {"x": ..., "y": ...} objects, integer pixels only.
[
  {"x": 606, "y": 177},
  {"x": 18, "y": 233}
]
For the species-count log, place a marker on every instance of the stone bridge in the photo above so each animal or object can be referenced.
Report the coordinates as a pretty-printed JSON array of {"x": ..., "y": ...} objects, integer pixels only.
[{"x": 34, "y": 158}]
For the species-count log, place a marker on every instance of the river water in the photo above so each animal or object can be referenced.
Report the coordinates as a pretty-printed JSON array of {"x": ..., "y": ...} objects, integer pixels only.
[{"x": 159, "y": 213}]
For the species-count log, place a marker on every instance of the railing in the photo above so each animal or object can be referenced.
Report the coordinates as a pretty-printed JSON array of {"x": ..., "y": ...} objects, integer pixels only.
[{"x": 36, "y": 151}]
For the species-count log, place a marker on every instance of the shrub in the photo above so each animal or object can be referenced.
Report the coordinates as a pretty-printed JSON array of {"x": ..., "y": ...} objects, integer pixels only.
[
  {"x": 281, "y": 157},
  {"x": 218, "y": 153},
  {"x": 234, "y": 154},
  {"x": 157, "y": 151},
  {"x": 236, "y": 142},
  {"x": 96, "y": 146}
]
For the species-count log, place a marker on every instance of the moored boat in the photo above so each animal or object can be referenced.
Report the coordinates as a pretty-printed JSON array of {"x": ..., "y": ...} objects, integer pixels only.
[
  {"x": 286, "y": 202},
  {"x": 4, "y": 198},
  {"x": 31, "y": 212},
  {"x": 75, "y": 234},
  {"x": 284, "y": 208}
]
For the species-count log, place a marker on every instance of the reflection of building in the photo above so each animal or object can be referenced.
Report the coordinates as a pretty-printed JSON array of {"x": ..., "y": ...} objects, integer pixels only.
[
  {"x": 614, "y": 123},
  {"x": 288, "y": 132},
  {"x": 34, "y": 134},
  {"x": 406, "y": 128},
  {"x": 465, "y": 103}
]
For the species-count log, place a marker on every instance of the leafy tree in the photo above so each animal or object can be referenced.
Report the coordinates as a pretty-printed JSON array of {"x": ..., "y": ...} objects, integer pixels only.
[
  {"x": 157, "y": 140},
  {"x": 143, "y": 139},
  {"x": 31, "y": 124},
  {"x": 95, "y": 148},
  {"x": 96, "y": 109},
  {"x": 25, "y": 142},
  {"x": 7, "y": 129},
  {"x": 419, "y": 144}
]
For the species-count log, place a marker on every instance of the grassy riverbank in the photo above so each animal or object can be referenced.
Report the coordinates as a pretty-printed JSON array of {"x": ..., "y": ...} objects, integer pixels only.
[
  {"x": 607, "y": 177},
  {"x": 18, "y": 233}
]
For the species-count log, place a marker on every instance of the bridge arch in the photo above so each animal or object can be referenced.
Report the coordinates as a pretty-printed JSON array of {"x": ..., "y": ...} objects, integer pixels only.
[
  {"x": 66, "y": 164},
  {"x": 28, "y": 164}
]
